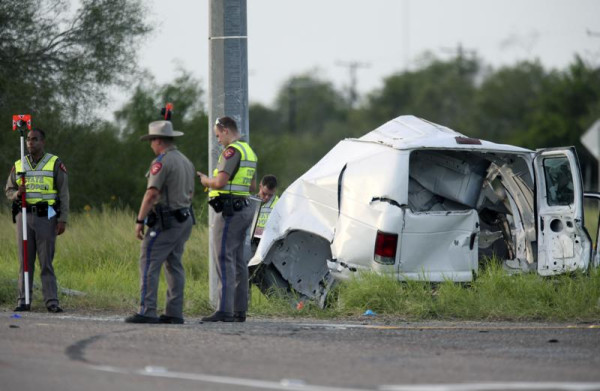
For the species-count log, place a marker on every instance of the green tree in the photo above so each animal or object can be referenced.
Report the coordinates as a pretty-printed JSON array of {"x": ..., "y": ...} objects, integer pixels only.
[
  {"x": 442, "y": 92},
  {"x": 306, "y": 103},
  {"x": 567, "y": 107},
  {"x": 309, "y": 113},
  {"x": 56, "y": 65},
  {"x": 47, "y": 59},
  {"x": 506, "y": 101},
  {"x": 142, "y": 108}
]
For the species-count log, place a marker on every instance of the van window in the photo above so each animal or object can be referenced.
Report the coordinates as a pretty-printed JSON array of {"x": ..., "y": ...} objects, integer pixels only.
[{"x": 559, "y": 181}]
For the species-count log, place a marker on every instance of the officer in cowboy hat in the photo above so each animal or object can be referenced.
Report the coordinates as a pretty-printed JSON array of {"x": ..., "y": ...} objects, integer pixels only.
[{"x": 167, "y": 211}]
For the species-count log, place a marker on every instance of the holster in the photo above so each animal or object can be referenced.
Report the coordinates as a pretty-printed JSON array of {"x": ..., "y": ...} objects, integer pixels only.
[
  {"x": 151, "y": 219},
  {"x": 16, "y": 209},
  {"x": 164, "y": 216},
  {"x": 228, "y": 204}
]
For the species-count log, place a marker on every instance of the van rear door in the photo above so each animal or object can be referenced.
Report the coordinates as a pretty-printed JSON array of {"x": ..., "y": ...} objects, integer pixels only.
[{"x": 563, "y": 243}]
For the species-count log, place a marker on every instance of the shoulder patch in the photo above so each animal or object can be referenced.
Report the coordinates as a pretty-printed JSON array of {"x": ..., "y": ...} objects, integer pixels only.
[
  {"x": 63, "y": 167},
  {"x": 229, "y": 152},
  {"x": 156, "y": 167}
]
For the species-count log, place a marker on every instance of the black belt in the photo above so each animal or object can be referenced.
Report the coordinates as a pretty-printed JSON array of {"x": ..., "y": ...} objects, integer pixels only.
[
  {"x": 175, "y": 212},
  {"x": 232, "y": 197},
  {"x": 39, "y": 209}
]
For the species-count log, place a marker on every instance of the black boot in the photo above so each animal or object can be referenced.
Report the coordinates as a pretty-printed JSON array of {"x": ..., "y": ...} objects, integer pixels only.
[
  {"x": 239, "y": 316},
  {"x": 170, "y": 319},
  {"x": 137, "y": 318},
  {"x": 23, "y": 307},
  {"x": 219, "y": 316}
]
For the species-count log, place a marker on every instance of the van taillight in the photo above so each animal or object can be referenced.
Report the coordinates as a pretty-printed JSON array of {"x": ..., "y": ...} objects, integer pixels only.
[{"x": 385, "y": 248}]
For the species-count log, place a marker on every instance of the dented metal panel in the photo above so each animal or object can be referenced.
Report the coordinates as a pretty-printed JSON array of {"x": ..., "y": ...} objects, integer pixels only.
[
  {"x": 451, "y": 200},
  {"x": 564, "y": 244},
  {"x": 439, "y": 245}
]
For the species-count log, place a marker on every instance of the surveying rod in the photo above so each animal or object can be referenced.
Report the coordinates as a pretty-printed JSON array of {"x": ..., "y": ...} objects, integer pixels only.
[{"x": 20, "y": 121}]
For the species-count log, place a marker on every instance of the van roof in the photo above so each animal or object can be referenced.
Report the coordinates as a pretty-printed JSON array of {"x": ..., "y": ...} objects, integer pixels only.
[{"x": 408, "y": 132}]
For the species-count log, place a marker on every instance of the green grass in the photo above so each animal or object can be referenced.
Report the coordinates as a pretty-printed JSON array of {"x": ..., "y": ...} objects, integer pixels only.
[
  {"x": 98, "y": 255},
  {"x": 494, "y": 295}
]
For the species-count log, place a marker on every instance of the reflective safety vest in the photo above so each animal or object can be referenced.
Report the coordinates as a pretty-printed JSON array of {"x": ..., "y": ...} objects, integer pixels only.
[
  {"x": 39, "y": 180},
  {"x": 265, "y": 212},
  {"x": 239, "y": 184}
]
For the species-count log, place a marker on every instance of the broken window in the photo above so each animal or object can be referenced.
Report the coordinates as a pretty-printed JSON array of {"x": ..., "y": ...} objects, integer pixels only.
[{"x": 559, "y": 182}]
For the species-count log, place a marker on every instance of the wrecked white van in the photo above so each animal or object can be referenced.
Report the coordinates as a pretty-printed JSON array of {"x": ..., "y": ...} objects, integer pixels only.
[{"x": 422, "y": 201}]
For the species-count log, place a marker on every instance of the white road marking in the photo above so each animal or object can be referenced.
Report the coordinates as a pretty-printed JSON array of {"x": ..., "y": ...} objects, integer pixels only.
[
  {"x": 297, "y": 384},
  {"x": 337, "y": 326},
  {"x": 283, "y": 384},
  {"x": 558, "y": 386},
  {"x": 341, "y": 326}
]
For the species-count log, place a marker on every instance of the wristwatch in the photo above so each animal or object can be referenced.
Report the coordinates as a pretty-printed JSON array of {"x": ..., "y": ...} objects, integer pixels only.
[{"x": 138, "y": 221}]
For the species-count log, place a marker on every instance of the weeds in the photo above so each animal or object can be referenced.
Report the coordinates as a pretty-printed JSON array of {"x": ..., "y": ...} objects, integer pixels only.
[{"x": 98, "y": 256}]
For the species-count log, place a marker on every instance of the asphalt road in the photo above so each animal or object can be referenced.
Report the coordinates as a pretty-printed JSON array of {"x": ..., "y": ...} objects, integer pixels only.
[{"x": 71, "y": 352}]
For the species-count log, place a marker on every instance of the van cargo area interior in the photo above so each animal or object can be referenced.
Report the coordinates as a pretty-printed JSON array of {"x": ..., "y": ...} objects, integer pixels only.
[{"x": 498, "y": 186}]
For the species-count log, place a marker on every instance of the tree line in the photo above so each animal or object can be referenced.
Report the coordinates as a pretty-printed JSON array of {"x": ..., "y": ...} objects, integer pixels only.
[{"x": 58, "y": 68}]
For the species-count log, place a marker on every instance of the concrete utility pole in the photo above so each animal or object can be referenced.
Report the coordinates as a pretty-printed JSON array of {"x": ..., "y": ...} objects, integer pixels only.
[{"x": 227, "y": 87}]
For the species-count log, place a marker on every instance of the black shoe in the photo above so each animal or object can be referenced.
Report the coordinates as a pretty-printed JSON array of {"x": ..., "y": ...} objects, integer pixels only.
[
  {"x": 55, "y": 309},
  {"x": 219, "y": 316},
  {"x": 23, "y": 307},
  {"x": 239, "y": 316},
  {"x": 137, "y": 318},
  {"x": 170, "y": 319}
]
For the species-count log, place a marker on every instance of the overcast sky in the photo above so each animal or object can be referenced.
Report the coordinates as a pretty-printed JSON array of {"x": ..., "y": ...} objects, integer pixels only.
[{"x": 288, "y": 37}]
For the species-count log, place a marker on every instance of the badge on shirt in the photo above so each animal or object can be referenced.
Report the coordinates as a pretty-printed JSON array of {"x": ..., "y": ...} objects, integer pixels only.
[
  {"x": 62, "y": 167},
  {"x": 155, "y": 169},
  {"x": 229, "y": 152}
]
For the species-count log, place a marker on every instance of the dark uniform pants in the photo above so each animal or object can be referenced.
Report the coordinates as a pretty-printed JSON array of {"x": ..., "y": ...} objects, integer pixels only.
[
  {"x": 228, "y": 253},
  {"x": 41, "y": 240},
  {"x": 158, "y": 247}
]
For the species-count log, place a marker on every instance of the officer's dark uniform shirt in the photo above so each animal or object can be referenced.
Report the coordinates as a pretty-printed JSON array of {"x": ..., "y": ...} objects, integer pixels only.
[{"x": 173, "y": 175}]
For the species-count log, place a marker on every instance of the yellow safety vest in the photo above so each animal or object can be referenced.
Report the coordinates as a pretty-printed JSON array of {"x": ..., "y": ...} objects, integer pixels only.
[
  {"x": 39, "y": 180},
  {"x": 240, "y": 183},
  {"x": 265, "y": 211}
]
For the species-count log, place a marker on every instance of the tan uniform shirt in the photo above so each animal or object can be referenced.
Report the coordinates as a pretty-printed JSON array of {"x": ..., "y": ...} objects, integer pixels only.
[
  {"x": 60, "y": 182},
  {"x": 172, "y": 174},
  {"x": 230, "y": 161}
]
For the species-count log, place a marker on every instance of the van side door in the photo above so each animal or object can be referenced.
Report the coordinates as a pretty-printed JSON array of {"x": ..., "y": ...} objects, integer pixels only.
[{"x": 563, "y": 243}]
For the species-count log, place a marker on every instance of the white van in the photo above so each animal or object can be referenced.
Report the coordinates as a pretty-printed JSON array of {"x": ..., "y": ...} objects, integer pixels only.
[{"x": 424, "y": 202}]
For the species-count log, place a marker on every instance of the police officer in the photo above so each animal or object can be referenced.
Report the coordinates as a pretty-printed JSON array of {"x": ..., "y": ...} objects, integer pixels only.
[
  {"x": 231, "y": 184},
  {"x": 267, "y": 190},
  {"x": 166, "y": 209},
  {"x": 47, "y": 197}
]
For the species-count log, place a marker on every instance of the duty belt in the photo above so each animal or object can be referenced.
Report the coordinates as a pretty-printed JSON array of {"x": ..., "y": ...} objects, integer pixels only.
[
  {"x": 40, "y": 208},
  {"x": 228, "y": 204}
]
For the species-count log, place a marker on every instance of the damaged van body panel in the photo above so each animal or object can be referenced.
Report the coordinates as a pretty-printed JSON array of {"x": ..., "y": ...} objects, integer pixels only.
[
  {"x": 564, "y": 244},
  {"x": 422, "y": 201}
]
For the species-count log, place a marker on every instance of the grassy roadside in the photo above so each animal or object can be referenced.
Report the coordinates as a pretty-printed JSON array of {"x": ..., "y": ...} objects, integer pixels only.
[{"x": 98, "y": 255}]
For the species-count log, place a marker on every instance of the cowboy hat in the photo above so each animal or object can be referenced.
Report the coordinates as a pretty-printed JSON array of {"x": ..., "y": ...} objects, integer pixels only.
[{"x": 161, "y": 129}]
